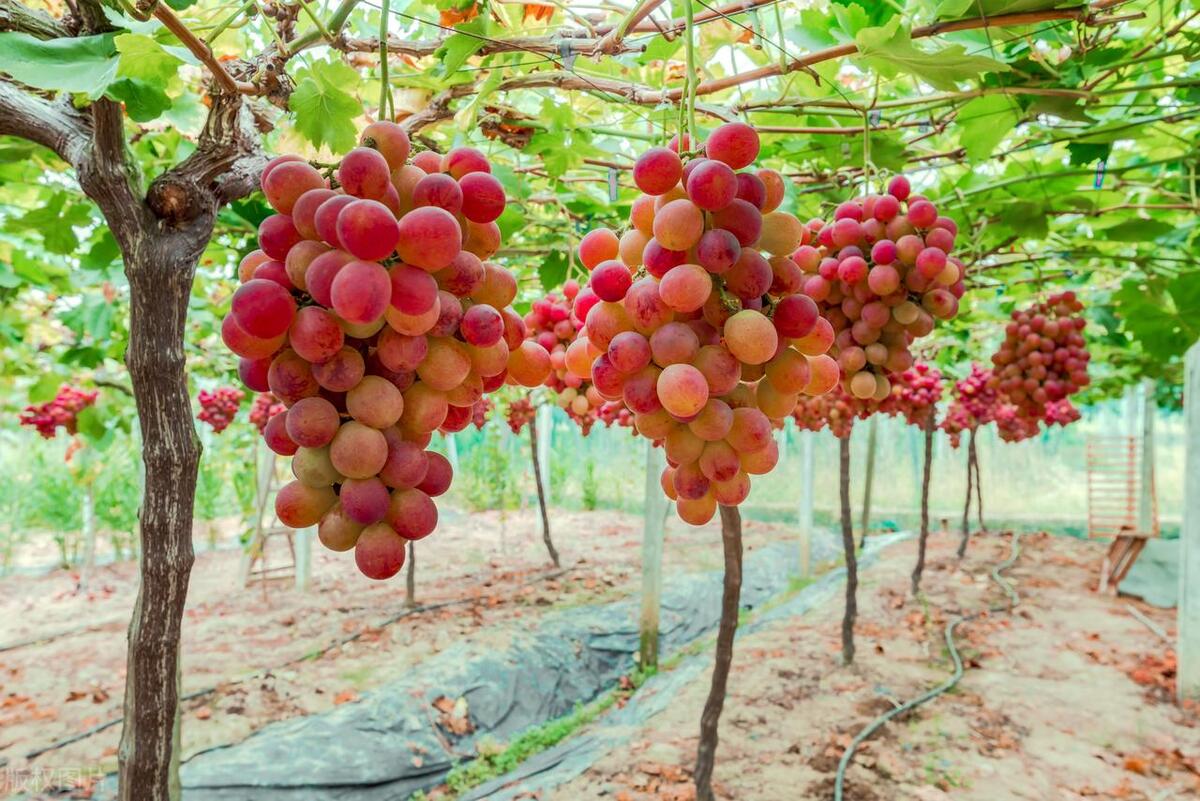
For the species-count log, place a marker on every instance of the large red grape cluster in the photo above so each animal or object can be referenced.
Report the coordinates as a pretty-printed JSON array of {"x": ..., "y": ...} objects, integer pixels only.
[
  {"x": 368, "y": 311},
  {"x": 1044, "y": 357},
  {"x": 915, "y": 394},
  {"x": 694, "y": 318},
  {"x": 219, "y": 407},
  {"x": 61, "y": 411},
  {"x": 882, "y": 273},
  {"x": 264, "y": 407}
]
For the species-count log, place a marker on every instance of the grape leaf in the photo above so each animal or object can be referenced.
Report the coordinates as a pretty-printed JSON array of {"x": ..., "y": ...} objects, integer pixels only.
[
  {"x": 1164, "y": 316},
  {"x": 552, "y": 270},
  {"x": 143, "y": 58},
  {"x": 84, "y": 64},
  {"x": 1138, "y": 230},
  {"x": 1088, "y": 152},
  {"x": 143, "y": 101},
  {"x": 889, "y": 50},
  {"x": 985, "y": 121},
  {"x": 990, "y": 8},
  {"x": 458, "y": 47},
  {"x": 45, "y": 388},
  {"x": 324, "y": 111}
]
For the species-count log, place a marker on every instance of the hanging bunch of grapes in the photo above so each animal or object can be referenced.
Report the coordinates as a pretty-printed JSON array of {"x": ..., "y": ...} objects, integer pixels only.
[
  {"x": 882, "y": 273},
  {"x": 1013, "y": 425},
  {"x": 1061, "y": 413},
  {"x": 481, "y": 412},
  {"x": 614, "y": 413},
  {"x": 62, "y": 411},
  {"x": 370, "y": 313},
  {"x": 519, "y": 413},
  {"x": 264, "y": 407},
  {"x": 552, "y": 324},
  {"x": 1044, "y": 357},
  {"x": 219, "y": 407},
  {"x": 975, "y": 404},
  {"x": 835, "y": 410},
  {"x": 915, "y": 394},
  {"x": 694, "y": 318}
]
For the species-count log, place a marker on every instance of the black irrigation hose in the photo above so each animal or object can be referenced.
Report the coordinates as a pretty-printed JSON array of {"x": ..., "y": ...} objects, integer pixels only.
[{"x": 948, "y": 684}]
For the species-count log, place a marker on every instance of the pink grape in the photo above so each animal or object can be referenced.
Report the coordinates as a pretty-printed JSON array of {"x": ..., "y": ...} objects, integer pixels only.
[
  {"x": 657, "y": 171},
  {"x": 277, "y": 235},
  {"x": 658, "y": 260},
  {"x": 439, "y": 190},
  {"x": 795, "y": 316},
  {"x": 364, "y": 172},
  {"x": 685, "y": 288},
  {"x": 341, "y": 373},
  {"x": 742, "y": 220},
  {"x": 390, "y": 140},
  {"x": 413, "y": 291},
  {"x": 482, "y": 325},
  {"x": 734, "y": 143},
  {"x": 263, "y": 308},
  {"x": 712, "y": 185},
  {"x": 312, "y": 422},
  {"x": 315, "y": 334},
  {"x": 368, "y": 230},
  {"x": 610, "y": 280},
  {"x": 483, "y": 197},
  {"x": 287, "y": 182},
  {"x": 379, "y": 552},
  {"x": 361, "y": 292},
  {"x": 682, "y": 389},
  {"x": 301, "y": 506},
  {"x": 438, "y": 477},
  {"x": 464, "y": 160},
  {"x": 430, "y": 238}
]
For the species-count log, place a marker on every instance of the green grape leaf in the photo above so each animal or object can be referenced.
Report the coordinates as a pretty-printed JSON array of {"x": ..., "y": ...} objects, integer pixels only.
[
  {"x": 90, "y": 423},
  {"x": 1138, "y": 231},
  {"x": 84, "y": 64},
  {"x": 143, "y": 101},
  {"x": 145, "y": 59},
  {"x": 985, "y": 121},
  {"x": 45, "y": 389},
  {"x": 324, "y": 111},
  {"x": 552, "y": 270},
  {"x": 1163, "y": 316},
  {"x": 889, "y": 50},
  {"x": 458, "y": 47},
  {"x": 1088, "y": 152}
]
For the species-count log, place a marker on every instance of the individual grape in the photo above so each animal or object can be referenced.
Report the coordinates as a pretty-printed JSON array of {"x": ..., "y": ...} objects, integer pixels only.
[
  {"x": 628, "y": 351},
  {"x": 446, "y": 364},
  {"x": 529, "y": 365},
  {"x": 379, "y": 552},
  {"x": 290, "y": 378},
  {"x": 375, "y": 402},
  {"x": 816, "y": 341},
  {"x": 788, "y": 371},
  {"x": 464, "y": 275},
  {"x": 499, "y": 288},
  {"x": 299, "y": 259},
  {"x": 696, "y": 511},
  {"x": 750, "y": 430},
  {"x": 361, "y": 292},
  {"x": 275, "y": 162},
  {"x": 610, "y": 280},
  {"x": 413, "y": 291},
  {"x": 276, "y": 272},
  {"x": 674, "y": 343},
  {"x": 742, "y": 220},
  {"x": 773, "y": 402},
  {"x": 338, "y": 532},
  {"x": 312, "y": 422},
  {"x": 733, "y": 491},
  {"x": 245, "y": 345},
  {"x": 489, "y": 361},
  {"x": 685, "y": 288},
  {"x": 428, "y": 161},
  {"x": 263, "y": 308},
  {"x": 598, "y": 246},
  {"x": 277, "y": 235},
  {"x": 678, "y": 225},
  {"x": 712, "y": 185},
  {"x": 464, "y": 160},
  {"x": 644, "y": 307},
  {"x": 389, "y": 139},
  {"x": 340, "y": 373},
  {"x": 761, "y": 461},
  {"x": 481, "y": 239},
  {"x": 714, "y": 421},
  {"x": 430, "y": 238},
  {"x": 249, "y": 264},
  {"x": 439, "y": 190},
  {"x": 364, "y": 500},
  {"x": 358, "y": 451},
  {"x": 253, "y": 373},
  {"x": 287, "y": 182},
  {"x": 605, "y": 321},
  {"x": 413, "y": 324},
  {"x": 750, "y": 277},
  {"x": 781, "y": 233},
  {"x": 438, "y": 477},
  {"x": 312, "y": 466},
  {"x": 683, "y": 390},
  {"x": 773, "y": 182},
  {"x": 406, "y": 463},
  {"x": 364, "y": 173},
  {"x": 276, "y": 437},
  {"x": 720, "y": 368},
  {"x": 367, "y": 229},
  {"x": 751, "y": 189},
  {"x": 862, "y": 385},
  {"x": 717, "y": 251},
  {"x": 751, "y": 337},
  {"x": 315, "y": 334},
  {"x": 482, "y": 325},
  {"x": 607, "y": 379},
  {"x": 682, "y": 447},
  {"x": 304, "y": 211},
  {"x": 657, "y": 171},
  {"x": 719, "y": 461},
  {"x": 631, "y": 246},
  {"x": 412, "y": 514},
  {"x": 300, "y": 506},
  {"x": 734, "y": 143},
  {"x": 483, "y": 197}
]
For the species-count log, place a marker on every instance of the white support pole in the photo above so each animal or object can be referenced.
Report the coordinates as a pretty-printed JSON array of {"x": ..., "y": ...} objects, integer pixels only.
[
  {"x": 1188, "y": 650},
  {"x": 304, "y": 549},
  {"x": 1146, "y": 511},
  {"x": 805, "y": 512},
  {"x": 545, "y": 426},
  {"x": 452, "y": 451},
  {"x": 654, "y": 511}
]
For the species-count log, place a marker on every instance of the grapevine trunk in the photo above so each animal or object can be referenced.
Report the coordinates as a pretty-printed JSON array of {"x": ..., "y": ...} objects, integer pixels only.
[
  {"x": 920, "y": 568},
  {"x": 541, "y": 492},
  {"x": 851, "y": 610}
]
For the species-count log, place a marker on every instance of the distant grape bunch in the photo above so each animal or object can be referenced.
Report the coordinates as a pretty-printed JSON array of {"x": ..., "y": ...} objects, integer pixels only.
[
  {"x": 61, "y": 411},
  {"x": 694, "y": 318},
  {"x": 882, "y": 273},
  {"x": 264, "y": 407},
  {"x": 552, "y": 323},
  {"x": 481, "y": 412},
  {"x": 915, "y": 394},
  {"x": 835, "y": 410},
  {"x": 370, "y": 313},
  {"x": 975, "y": 404},
  {"x": 518, "y": 414},
  {"x": 1044, "y": 357},
  {"x": 219, "y": 407}
]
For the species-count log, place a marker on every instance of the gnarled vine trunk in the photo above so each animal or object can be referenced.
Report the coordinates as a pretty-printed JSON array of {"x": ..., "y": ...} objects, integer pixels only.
[
  {"x": 851, "y": 610},
  {"x": 966, "y": 518},
  {"x": 974, "y": 455},
  {"x": 924, "y": 536},
  {"x": 706, "y": 752},
  {"x": 541, "y": 491}
]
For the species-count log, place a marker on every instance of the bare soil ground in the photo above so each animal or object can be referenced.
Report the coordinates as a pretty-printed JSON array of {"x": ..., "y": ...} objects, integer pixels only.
[
  {"x": 259, "y": 654},
  {"x": 1067, "y": 699}
]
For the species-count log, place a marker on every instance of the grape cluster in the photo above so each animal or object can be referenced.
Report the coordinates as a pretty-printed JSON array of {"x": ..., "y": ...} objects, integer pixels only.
[
  {"x": 264, "y": 407},
  {"x": 694, "y": 318},
  {"x": 552, "y": 323},
  {"x": 1013, "y": 425},
  {"x": 1061, "y": 413},
  {"x": 520, "y": 413},
  {"x": 975, "y": 404},
  {"x": 218, "y": 408},
  {"x": 370, "y": 313},
  {"x": 481, "y": 412},
  {"x": 62, "y": 411},
  {"x": 1043, "y": 358},
  {"x": 835, "y": 410},
  {"x": 614, "y": 413},
  {"x": 882, "y": 273},
  {"x": 915, "y": 394}
]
